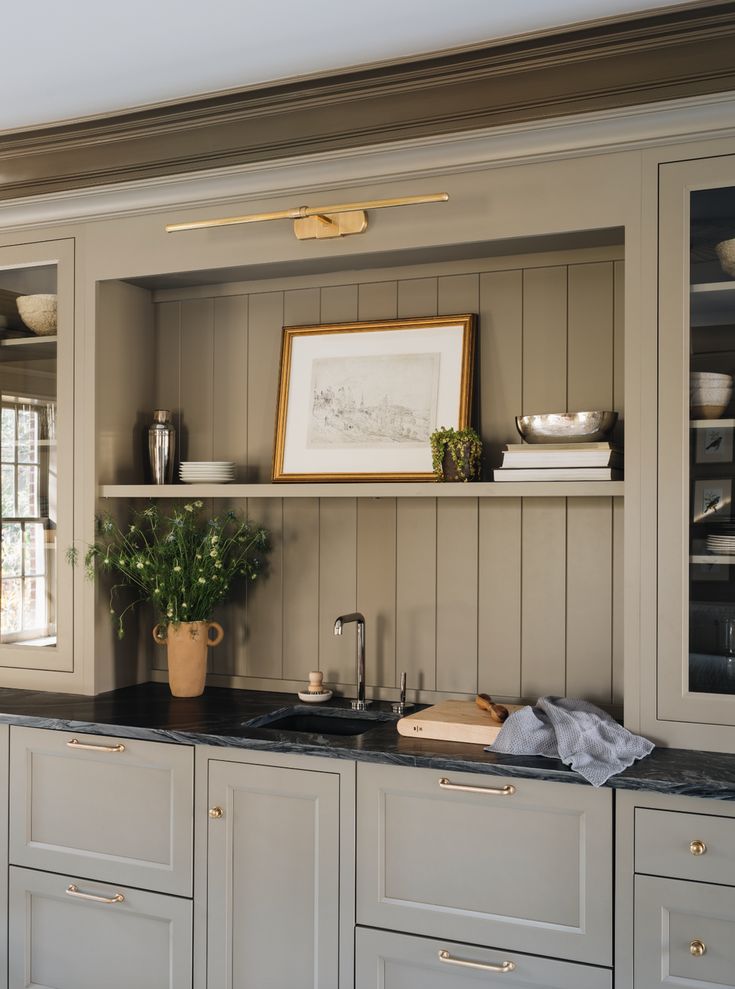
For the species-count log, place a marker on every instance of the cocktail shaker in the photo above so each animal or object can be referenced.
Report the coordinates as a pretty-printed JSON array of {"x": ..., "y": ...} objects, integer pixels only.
[{"x": 162, "y": 447}]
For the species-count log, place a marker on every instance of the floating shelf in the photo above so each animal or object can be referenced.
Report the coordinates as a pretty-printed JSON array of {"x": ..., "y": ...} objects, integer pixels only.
[
  {"x": 723, "y": 560},
  {"x": 712, "y": 423},
  {"x": 713, "y": 304},
  {"x": 28, "y": 348},
  {"x": 398, "y": 489}
]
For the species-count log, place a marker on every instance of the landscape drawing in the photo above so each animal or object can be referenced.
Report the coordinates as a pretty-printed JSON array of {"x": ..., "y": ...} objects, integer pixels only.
[{"x": 373, "y": 401}]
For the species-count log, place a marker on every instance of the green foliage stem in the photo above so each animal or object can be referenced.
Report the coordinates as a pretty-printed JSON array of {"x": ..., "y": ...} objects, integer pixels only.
[{"x": 464, "y": 447}]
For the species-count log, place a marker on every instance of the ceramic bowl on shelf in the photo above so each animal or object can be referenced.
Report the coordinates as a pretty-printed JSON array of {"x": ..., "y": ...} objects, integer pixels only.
[
  {"x": 566, "y": 427},
  {"x": 725, "y": 252},
  {"x": 38, "y": 312},
  {"x": 709, "y": 394}
]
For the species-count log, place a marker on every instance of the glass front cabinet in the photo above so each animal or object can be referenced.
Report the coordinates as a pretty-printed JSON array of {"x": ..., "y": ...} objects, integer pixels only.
[
  {"x": 36, "y": 454},
  {"x": 696, "y": 470}
]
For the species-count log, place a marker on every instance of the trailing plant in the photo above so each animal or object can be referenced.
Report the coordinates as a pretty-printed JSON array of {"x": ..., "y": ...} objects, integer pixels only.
[
  {"x": 180, "y": 563},
  {"x": 464, "y": 449}
]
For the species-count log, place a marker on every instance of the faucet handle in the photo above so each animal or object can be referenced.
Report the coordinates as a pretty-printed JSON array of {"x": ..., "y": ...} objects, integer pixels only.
[{"x": 399, "y": 706}]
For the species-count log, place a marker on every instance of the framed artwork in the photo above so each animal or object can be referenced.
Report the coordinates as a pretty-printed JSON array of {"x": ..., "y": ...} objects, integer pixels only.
[
  {"x": 711, "y": 499},
  {"x": 714, "y": 445},
  {"x": 358, "y": 401}
]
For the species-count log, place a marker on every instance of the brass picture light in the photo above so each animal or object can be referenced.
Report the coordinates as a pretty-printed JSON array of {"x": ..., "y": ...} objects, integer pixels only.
[{"x": 317, "y": 222}]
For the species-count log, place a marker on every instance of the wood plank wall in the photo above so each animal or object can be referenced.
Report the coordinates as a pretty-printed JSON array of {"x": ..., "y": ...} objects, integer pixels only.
[{"x": 517, "y": 597}]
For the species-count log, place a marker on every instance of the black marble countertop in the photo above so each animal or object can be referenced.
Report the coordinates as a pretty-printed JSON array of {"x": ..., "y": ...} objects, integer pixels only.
[{"x": 219, "y": 717}]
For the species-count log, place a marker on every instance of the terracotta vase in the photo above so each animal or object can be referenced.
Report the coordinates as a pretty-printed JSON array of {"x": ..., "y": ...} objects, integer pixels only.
[{"x": 186, "y": 645}]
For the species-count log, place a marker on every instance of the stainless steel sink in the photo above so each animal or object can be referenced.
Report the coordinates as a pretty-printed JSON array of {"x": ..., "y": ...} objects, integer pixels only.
[{"x": 306, "y": 721}]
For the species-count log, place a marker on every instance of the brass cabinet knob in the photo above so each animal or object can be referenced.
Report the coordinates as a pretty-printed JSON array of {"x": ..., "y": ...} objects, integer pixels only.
[
  {"x": 216, "y": 813},
  {"x": 697, "y": 948},
  {"x": 697, "y": 847}
]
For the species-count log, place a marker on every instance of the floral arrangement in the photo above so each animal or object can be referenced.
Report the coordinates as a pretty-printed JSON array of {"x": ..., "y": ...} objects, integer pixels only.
[
  {"x": 180, "y": 563},
  {"x": 463, "y": 447}
]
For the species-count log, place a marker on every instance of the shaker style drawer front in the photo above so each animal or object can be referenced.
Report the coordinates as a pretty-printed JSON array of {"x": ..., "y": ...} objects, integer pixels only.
[
  {"x": 684, "y": 934},
  {"x": 113, "y": 809},
  {"x": 385, "y": 960},
  {"x": 68, "y": 933},
  {"x": 685, "y": 846},
  {"x": 489, "y": 860}
]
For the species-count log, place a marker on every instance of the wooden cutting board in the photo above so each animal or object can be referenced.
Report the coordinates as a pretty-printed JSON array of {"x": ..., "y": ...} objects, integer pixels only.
[{"x": 453, "y": 721}]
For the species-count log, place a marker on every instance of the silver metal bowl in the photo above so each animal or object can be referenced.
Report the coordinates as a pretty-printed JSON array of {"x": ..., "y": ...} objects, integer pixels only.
[{"x": 566, "y": 427}]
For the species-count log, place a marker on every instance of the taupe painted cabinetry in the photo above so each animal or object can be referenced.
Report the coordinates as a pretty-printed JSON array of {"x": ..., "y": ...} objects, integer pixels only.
[
  {"x": 279, "y": 862},
  {"x": 520, "y": 864}
]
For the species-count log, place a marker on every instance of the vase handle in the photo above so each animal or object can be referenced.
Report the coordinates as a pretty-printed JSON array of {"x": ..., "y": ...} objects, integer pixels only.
[
  {"x": 218, "y": 637},
  {"x": 159, "y": 639}
]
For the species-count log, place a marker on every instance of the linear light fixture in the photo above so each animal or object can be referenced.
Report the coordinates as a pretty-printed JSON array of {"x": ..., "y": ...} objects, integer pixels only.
[{"x": 317, "y": 222}]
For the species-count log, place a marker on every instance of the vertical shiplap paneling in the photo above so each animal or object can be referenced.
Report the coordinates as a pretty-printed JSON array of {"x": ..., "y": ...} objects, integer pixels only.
[
  {"x": 416, "y": 543},
  {"x": 543, "y": 554},
  {"x": 590, "y": 337},
  {"x": 337, "y": 586},
  {"x": 456, "y": 595},
  {"x": 300, "y": 587},
  {"x": 301, "y": 541},
  {"x": 376, "y": 585},
  {"x": 230, "y": 404},
  {"x": 168, "y": 360},
  {"x": 618, "y": 507},
  {"x": 499, "y": 596},
  {"x": 265, "y": 324},
  {"x": 589, "y": 598},
  {"x": 500, "y": 357},
  {"x": 416, "y": 592},
  {"x": 264, "y": 597},
  {"x": 338, "y": 304},
  {"x": 377, "y": 300},
  {"x": 197, "y": 378}
]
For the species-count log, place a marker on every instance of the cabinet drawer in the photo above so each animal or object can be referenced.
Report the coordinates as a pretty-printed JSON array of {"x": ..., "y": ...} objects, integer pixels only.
[
  {"x": 671, "y": 916},
  {"x": 400, "y": 961},
  {"x": 666, "y": 843},
  {"x": 531, "y": 870},
  {"x": 120, "y": 811},
  {"x": 64, "y": 941}
]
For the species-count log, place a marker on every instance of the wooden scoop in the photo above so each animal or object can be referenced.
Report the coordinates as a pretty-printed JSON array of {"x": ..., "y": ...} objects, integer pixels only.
[{"x": 498, "y": 712}]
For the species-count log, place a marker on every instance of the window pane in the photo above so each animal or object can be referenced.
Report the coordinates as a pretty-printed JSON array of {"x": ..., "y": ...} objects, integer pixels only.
[
  {"x": 7, "y": 435},
  {"x": 34, "y": 560},
  {"x": 27, "y": 436},
  {"x": 34, "y": 603},
  {"x": 12, "y": 563},
  {"x": 12, "y": 606},
  {"x": 28, "y": 491},
  {"x": 8, "y": 491}
]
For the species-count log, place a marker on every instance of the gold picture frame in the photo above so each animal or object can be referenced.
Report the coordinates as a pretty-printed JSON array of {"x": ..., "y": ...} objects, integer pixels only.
[{"x": 358, "y": 401}]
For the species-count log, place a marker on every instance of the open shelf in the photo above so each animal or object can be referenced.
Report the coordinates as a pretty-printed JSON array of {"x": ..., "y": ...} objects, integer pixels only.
[
  {"x": 398, "y": 489},
  {"x": 712, "y": 423},
  {"x": 713, "y": 304},
  {"x": 722, "y": 560},
  {"x": 28, "y": 348}
]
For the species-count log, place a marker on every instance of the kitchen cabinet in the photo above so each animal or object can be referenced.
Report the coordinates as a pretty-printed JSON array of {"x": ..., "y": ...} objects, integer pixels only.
[
  {"x": 385, "y": 960},
  {"x": 522, "y": 864},
  {"x": 694, "y": 703},
  {"x": 279, "y": 883},
  {"x": 69, "y": 933},
  {"x": 37, "y": 454}
]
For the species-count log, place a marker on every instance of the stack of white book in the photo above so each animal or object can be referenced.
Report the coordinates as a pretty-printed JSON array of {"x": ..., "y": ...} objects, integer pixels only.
[{"x": 560, "y": 462}]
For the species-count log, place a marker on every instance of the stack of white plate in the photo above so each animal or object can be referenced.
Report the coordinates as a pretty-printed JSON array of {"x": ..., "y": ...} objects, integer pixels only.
[
  {"x": 207, "y": 471},
  {"x": 722, "y": 540}
]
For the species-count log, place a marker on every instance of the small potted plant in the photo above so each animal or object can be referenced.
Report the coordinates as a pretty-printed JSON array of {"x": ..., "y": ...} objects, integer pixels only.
[
  {"x": 184, "y": 566},
  {"x": 456, "y": 454}
]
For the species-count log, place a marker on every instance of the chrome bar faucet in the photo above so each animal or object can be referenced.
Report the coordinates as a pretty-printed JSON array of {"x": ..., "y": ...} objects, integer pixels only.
[{"x": 359, "y": 704}]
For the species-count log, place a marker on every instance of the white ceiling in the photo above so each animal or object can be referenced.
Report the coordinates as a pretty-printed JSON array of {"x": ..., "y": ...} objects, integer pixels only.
[{"x": 86, "y": 57}]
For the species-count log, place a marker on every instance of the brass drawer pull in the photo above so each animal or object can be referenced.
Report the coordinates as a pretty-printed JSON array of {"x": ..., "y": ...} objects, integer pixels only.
[
  {"x": 76, "y": 744},
  {"x": 215, "y": 813},
  {"x": 497, "y": 791},
  {"x": 697, "y": 948},
  {"x": 697, "y": 847},
  {"x": 503, "y": 967},
  {"x": 73, "y": 890}
]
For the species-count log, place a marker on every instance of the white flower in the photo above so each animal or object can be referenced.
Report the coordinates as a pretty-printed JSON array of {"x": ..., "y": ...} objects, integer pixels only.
[
  {"x": 177, "y": 569},
  {"x": 201, "y": 580},
  {"x": 218, "y": 564},
  {"x": 199, "y": 504},
  {"x": 213, "y": 553},
  {"x": 215, "y": 540},
  {"x": 156, "y": 590},
  {"x": 188, "y": 508},
  {"x": 140, "y": 564}
]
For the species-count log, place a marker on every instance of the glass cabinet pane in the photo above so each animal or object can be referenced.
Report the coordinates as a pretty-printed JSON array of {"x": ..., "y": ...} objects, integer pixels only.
[{"x": 712, "y": 431}]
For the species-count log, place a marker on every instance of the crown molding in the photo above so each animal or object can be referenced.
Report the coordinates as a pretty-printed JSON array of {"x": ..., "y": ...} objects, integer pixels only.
[{"x": 673, "y": 53}]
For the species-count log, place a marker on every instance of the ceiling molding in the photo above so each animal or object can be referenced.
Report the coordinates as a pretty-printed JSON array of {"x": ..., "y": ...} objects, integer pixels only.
[{"x": 683, "y": 51}]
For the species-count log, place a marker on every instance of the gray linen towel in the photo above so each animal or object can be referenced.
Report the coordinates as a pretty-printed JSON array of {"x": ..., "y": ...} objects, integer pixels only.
[{"x": 578, "y": 733}]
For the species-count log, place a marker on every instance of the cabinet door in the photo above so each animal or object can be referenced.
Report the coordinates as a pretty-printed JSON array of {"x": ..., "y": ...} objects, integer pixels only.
[
  {"x": 464, "y": 857},
  {"x": 696, "y": 479},
  {"x": 684, "y": 934},
  {"x": 37, "y": 461},
  {"x": 273, "y": 878},
  {"x": 398, "y": 961},
  {"x": 68, "y": 933}
]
